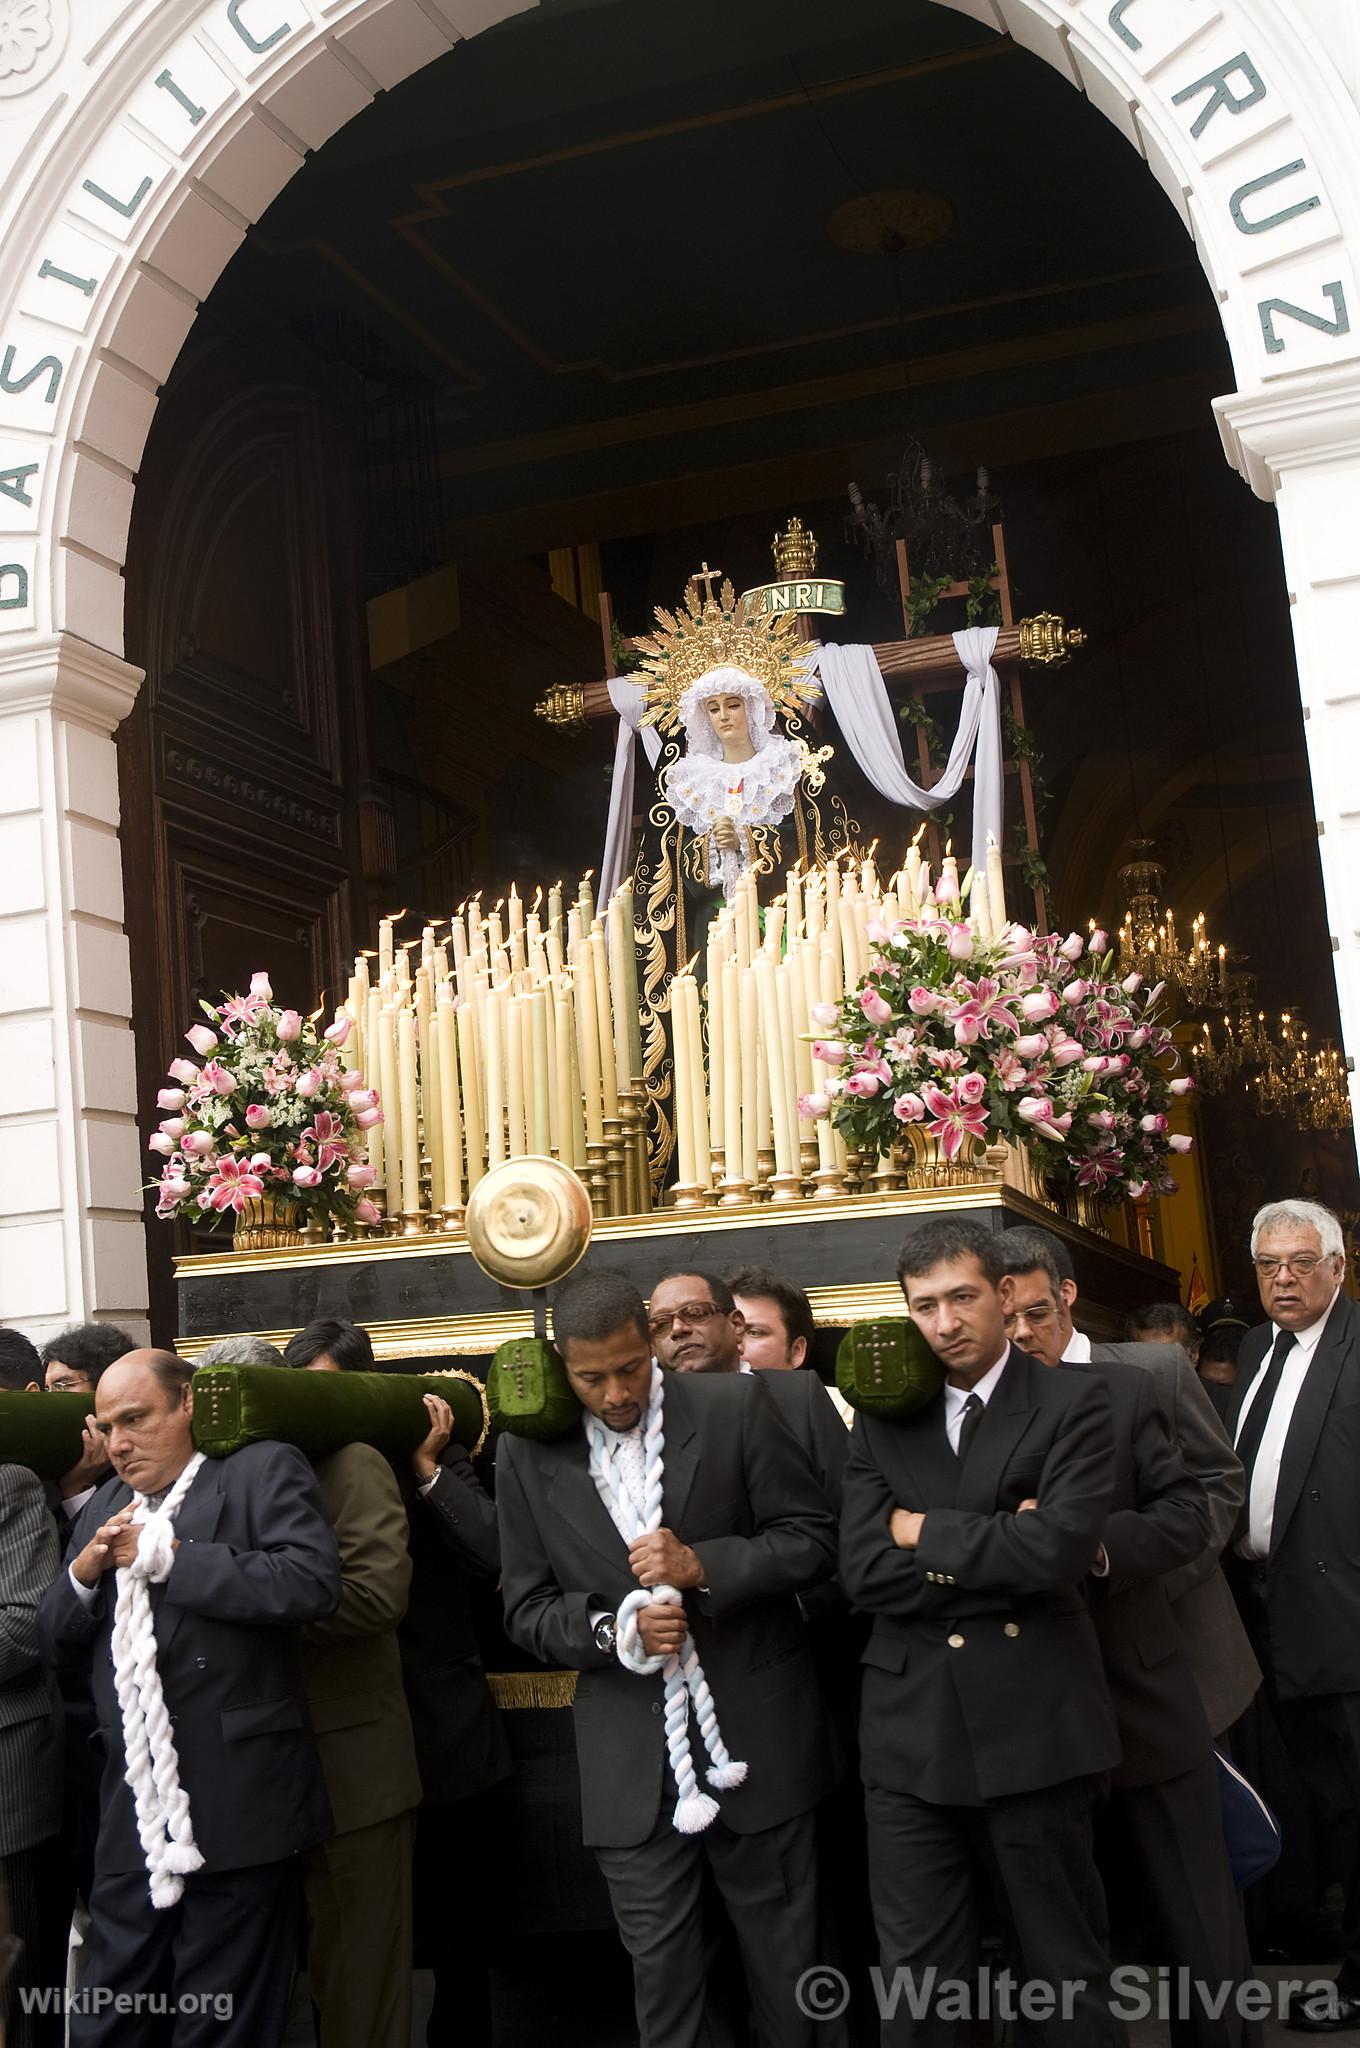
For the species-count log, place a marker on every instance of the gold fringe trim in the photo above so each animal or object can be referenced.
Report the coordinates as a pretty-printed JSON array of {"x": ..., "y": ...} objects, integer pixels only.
[{"x": 511, "y": 1689}]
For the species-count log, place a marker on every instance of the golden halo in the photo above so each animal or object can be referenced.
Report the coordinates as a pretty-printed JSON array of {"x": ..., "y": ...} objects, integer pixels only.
[{"x": 723, "y": 632}]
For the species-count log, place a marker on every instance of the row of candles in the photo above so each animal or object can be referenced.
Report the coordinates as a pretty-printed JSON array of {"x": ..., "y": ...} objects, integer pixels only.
[{"x": 510, "y": 1032}]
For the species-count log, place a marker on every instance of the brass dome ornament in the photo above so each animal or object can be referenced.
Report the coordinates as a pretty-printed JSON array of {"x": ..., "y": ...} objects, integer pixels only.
[{"x": 528, "y": 1221}]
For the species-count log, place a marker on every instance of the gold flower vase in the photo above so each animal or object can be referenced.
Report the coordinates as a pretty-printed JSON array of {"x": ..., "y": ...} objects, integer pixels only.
[
  {"x": 923, "y": 1163},
  {"x": 267, "y": 1225}
]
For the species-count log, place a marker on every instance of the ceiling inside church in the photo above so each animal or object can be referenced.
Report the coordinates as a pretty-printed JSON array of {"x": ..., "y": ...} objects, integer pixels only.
[{"x": 622, "y": 245}]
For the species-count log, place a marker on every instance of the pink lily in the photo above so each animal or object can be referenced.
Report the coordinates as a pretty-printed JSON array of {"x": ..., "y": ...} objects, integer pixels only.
[
  {"x": 985, "y": 1005},
  {"x": 327, "y": 1133},
  {"x": 233, "y": 1185},
  {"x": 241, "y": 1010},
  {"x": 953, "y": 1121}
]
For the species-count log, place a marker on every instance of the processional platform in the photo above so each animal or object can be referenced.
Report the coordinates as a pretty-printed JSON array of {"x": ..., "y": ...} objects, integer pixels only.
[{"x": 427, "y": 1296}]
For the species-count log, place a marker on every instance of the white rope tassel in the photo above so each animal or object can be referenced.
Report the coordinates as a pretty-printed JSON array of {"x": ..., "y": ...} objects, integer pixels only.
[
  {"x": 683, "y": 1675},
  {"x": 164, "y": 1823}
]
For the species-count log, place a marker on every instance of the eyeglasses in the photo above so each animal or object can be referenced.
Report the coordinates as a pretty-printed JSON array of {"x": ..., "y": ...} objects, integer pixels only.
[
  {"x": 688, "y": 1312},
  {"x": 1037, "y": 1318},
  {"x": 1300, "y": 1264}
]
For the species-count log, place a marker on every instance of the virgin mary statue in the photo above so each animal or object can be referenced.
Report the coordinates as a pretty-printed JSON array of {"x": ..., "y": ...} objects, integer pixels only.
[{"x": 720, "y": 673}]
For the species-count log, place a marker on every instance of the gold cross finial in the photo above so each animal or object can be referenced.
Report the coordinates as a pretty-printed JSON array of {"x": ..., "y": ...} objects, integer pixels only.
[{"x": 708, "y": 577}]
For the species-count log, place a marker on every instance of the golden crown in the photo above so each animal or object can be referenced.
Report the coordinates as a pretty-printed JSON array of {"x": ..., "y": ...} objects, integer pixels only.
[
  {"x": 795, "y": 552},
  {"x": 722, "y": 632}
]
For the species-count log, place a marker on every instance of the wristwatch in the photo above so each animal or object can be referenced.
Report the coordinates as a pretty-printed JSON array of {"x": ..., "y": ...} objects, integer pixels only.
[{"x": 605, "y": 1633}]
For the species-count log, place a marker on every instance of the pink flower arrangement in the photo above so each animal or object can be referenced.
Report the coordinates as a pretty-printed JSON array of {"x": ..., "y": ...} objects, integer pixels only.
[
  {"x": 273, "y": 1111},
  {"x": 1004, "y": 1042}
]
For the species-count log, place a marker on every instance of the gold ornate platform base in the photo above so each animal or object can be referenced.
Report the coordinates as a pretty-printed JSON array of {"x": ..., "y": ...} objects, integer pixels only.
[{"x": 266, "y": 1225}]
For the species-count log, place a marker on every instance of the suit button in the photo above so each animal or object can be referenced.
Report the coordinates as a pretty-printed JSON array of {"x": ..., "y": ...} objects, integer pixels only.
[
  {"x": 656, "y": 1706},
  {"x": 1012, "y": 1628},
  {"x": 202, "y": 1663},
  {"x": 956, "y": 1642},
  {"x": 950, "y": 1580},
  {"x": 1313, "y": 1493},
  {"x": 1321, "y": 1567}
]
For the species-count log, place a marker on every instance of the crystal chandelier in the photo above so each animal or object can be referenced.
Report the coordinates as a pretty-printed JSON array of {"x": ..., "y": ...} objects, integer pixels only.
[
  {"x": 944, "y": 535},
  {"x": 1306, "y": 1082},
  {"x": 1150, "y": 944}
]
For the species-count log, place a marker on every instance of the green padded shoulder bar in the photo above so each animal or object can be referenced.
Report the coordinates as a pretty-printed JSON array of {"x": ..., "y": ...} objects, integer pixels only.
[
  {"x": 528, "y": 1391},
  {"x": 319, "y": 1412},
  {"x": 43, "y": 1431},
  {"x": 887, "y": 1369}
]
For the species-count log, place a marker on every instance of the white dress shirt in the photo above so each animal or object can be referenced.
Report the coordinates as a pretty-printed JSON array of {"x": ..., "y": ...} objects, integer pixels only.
[
  {"x": 956, "y": 1399},
  {"x": 1265, "y": 1475},
  {"x": 1077, "y": 1350}
]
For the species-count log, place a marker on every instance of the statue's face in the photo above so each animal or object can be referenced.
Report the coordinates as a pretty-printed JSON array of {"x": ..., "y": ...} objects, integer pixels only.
[{"x": 727, "y": 716}]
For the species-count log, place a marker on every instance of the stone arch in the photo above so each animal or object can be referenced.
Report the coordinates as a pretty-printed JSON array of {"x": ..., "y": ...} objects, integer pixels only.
[{"x": 139, "y": 139}]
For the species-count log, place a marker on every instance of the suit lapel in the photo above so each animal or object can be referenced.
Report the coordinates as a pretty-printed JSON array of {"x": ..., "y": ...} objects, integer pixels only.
[
  {"x": 681, "y": 1453},
  {"x": 1005, "y": 1419},
  {"x": 922, "y": 1449},
  {"x": 573, "y": 1494},
  {"x": 196, "y": 1522},
  {"x": 1310, "y": 1412},
  {"x": 1248, "y": 1365}
]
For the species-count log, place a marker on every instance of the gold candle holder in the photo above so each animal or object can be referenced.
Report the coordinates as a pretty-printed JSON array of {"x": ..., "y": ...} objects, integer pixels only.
[
  {"x": 615, "y": 1167},
  {"x": 808, "y": 1155},
  {"x": 828, "y": 1184},
  {"x": 764, "y": 1176},
  {"x": 687, "y": 1195},
  {"x": 597, "y": 1178},
  {"x": 732, "y": 1191},
  {"x": 888, "y": 1176},
  {"x": 451, "y": 1216},
  {"x": 412, "y": 1223},
  {"x": 786, "y": 1187},
  {"x": 854, "y": 1168},
  {"x": 633, "y": 1102}
]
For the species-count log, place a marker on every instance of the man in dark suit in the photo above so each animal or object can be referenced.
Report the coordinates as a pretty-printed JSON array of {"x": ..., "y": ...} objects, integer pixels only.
[
  {"x": 1165, "y": 1802},
  {"x": 1040, "y": 1320},
  {"x": 744, "y": 1529},
  {"x": 1295, "y": 1421},
  {"x": 251, "y": 1559},
  {"x": 697, "y": 1327},
  {"x": 986, "y": 1724},
  {"x": 31, "y": 1862}
]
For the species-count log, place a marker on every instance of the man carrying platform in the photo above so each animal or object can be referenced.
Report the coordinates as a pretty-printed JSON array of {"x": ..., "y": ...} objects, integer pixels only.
[{"x": 658, "y": 1548}]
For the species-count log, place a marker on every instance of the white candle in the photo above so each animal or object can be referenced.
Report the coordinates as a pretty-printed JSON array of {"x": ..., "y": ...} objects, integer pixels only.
[
  {"x": 410, "y": 1120},
  {"x": 731, "y": 1068},
  {"x": 448, "y": 1101}
]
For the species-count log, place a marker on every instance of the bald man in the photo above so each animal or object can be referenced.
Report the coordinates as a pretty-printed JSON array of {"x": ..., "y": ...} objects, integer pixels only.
[{"x": 251, "y": 1559}]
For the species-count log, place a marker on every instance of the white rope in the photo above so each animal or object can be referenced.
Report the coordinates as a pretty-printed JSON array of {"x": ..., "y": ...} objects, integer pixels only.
[
  {"x": 683, "y": 1674},
  {"x": 164, "y": 1823}
]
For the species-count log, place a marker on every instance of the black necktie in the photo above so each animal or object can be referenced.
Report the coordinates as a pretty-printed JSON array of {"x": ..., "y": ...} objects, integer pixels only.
[
  {"x": 973, "y": 1411},
  {"x": 1254, "y": 1428}
]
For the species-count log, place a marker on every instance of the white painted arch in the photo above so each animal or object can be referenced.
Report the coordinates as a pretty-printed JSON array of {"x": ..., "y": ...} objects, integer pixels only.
[{"x": 139, "y": 139}]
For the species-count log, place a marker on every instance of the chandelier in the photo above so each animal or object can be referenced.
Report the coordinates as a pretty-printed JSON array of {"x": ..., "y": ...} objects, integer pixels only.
[
  {"x": 945, "y": 536},
  {"x": 1308, "y": 1083},
  {"x": 1150, "y": 944}
]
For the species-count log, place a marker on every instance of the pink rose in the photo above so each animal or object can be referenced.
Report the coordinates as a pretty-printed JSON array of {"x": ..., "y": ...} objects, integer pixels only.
[
  {"x": 170, "y": 1098},
  {"x": 1103, "y": 1119},
  {"x": 159, "y": 1142},
  {"x": 258, "y": 1118},
  {"x": 1061, "y": 1123},
  {"x": 874, "y": 1007},
  {"x": 960, "y": 942},
  {"x": 218, "y": 1079},
  {"x": 1136, "y": 1189},
  {"x": 1064, "y": 1051},
  {"x": 351, "y": 1080},
  {"x": 1099, "y": 941},
  {"x": 1038, "y": 1004},
  {"x": 970, "y": 1088},
  {"x": 811, "y": 1107},
  {"x": 1072, "y": 947},
  {"x": 1075, "y": 992},
  {"x": 829, "y": 1051},
  {"x": 365, "y": 1212},
  {"x": 198, "y": 1144},
  {"x": 1152, "y": 1123},
  {"x": 172, "y": 1126},
  {"x": 185, "y": 1071},
  {"x": 1138, "y": 1038},
  {"x": 824, "y": 1015},
  {"x": 174, "y": 1188},
  {"x": 1031, "y": 1045},
  {"x": 367, "y": 1118},
  {"x": 204, "y": 1200},
  {"x": 1095, "y": 1063},
  {"x": 363, "y": 1098},
  {"x": 338, "y": 1032},
  {"x": 1178, "y": 1142},
  {"x": 923, "y": 1002},
  {"x": 1154, "y": 993},
  {"x": 1184, "y": 1086},
  {"x": 259, "y": 986},
  {"x": 310, "y": 1083},
  {"x": 1130, "y": 983},
  {"x": 288, "y": 1027},
  {"x": 862, "y": 1084},
  {"x": 201, "y": 1039},
  {"x": 306, "y": 1177},
  {"x": 909, "y": 1109},
  {"x": 1034, "y": 1109},
  {"x": 261, "y": 1163},
  {"x": 361, "y": 1175}
]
